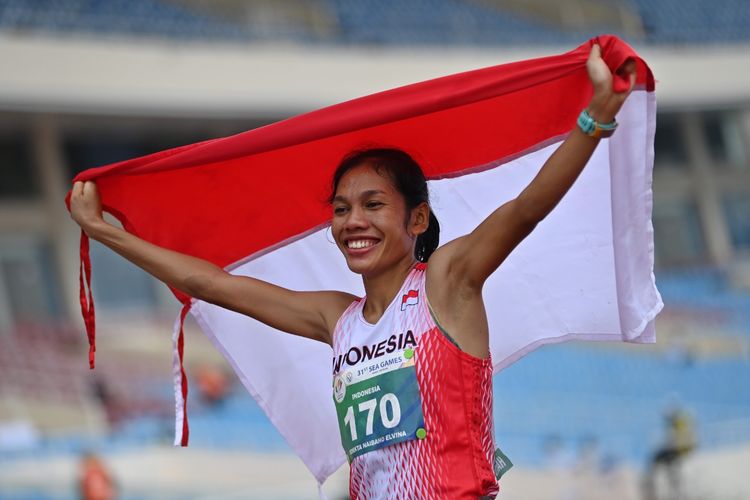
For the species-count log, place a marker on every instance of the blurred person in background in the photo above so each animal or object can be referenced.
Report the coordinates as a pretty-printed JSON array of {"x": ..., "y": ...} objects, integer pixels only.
[
  {"x": 669, "y": 457},
  {"x": 383, "y": 225},
  {"x": 114, "y": 408},
  {"x": 95, "y": 481},
  {"x": 213, "y": 385}
]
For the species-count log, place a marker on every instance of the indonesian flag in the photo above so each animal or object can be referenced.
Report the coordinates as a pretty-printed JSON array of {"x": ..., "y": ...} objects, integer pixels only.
[{"x": 254, "y": 204}]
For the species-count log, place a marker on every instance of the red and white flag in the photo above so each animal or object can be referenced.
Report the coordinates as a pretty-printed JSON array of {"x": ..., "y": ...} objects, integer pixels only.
[
  {"x": 254, "y": 204},
  {"x": 410, "y": 298}
]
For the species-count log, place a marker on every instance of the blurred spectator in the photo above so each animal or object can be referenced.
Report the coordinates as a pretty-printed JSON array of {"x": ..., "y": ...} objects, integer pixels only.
[
  {"x": 95, "y": 482},
  {"x": 213, "y": 385},
  {"x": 667, "y": 460},
  {"x": 113, "y": 408},
  {"x": 121, "y": 407}
]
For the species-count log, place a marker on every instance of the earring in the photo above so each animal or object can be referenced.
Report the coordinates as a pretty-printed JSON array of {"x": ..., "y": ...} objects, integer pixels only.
[{"x": 329, "y": 235}]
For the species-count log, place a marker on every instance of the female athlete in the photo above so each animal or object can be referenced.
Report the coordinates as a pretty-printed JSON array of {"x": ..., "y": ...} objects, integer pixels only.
[{"x": 412, "y": 370}]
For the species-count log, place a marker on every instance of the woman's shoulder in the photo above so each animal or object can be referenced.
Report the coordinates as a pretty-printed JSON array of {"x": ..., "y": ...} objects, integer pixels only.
[
  {"x": 334, "y": 304},
  {"x": 439, "y": 264}
]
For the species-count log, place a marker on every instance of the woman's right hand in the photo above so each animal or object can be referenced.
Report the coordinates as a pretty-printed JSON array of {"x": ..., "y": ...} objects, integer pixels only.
[{"x": 86, "y": 206}]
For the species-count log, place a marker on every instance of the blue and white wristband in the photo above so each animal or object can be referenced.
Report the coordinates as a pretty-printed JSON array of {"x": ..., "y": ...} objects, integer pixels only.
[{"x": 594, "y": 129}]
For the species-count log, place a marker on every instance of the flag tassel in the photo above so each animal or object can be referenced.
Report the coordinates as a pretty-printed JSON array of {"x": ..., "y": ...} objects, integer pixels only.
[
  {"x": 182, "y": 430},
  {"x": 87, "y": 301}
]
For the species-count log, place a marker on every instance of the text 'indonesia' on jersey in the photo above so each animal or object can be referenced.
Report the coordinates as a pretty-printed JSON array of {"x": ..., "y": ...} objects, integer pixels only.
[{"x": 367, "y": 352}]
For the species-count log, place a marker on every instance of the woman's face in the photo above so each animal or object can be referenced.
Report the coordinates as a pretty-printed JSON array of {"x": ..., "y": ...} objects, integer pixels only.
[{"x": 369, "y": 222}]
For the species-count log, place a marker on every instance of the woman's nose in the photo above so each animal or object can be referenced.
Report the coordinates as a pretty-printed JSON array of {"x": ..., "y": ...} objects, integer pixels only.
[{"x": 356, "y": 219}]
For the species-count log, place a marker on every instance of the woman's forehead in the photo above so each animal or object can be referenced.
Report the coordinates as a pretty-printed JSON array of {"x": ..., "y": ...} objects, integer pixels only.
[{"x": 364, "y": 179}]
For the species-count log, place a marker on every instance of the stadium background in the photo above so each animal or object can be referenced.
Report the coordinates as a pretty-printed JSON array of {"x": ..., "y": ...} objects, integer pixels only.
[{"x": 88, "y": 82}]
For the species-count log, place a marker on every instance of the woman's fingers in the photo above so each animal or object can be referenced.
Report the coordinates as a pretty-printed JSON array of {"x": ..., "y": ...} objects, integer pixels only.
[
  {"x": 89, "y": 188},
  {"x": 602, "y": 78},
  {"x": 610, "y": 90},
  {"x": 599, "y": 73},
  {"x": 595, "y": 57},
  {"x": 628, "y": 68},
  {"x": 628, "y": 71},
  {"x": 86, "y": 190},
  {"x": 85, "y": 205},
  {"x": 595, "y": 52}
]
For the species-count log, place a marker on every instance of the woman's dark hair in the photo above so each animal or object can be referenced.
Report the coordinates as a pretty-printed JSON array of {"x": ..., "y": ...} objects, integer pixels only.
[{"x": 408, "y": 179}]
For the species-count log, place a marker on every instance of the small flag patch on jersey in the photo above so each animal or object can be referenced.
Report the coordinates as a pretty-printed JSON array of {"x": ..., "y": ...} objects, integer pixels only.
[{"x": 410, "y": 298}]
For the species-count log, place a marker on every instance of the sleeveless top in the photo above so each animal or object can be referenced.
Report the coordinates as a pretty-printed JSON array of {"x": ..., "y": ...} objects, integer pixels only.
[{"x": 414, "y": 411}]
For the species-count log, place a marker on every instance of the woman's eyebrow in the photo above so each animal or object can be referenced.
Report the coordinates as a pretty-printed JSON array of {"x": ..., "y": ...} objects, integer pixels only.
[
  {"x": 364, "y": 194},
  {"x": 371, "y": 192}
]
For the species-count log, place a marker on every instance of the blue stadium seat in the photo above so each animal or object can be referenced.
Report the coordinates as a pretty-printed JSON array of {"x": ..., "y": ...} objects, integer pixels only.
[
  {"x": 373, "y": 22},
  {"x": 694, "y": 21},
  {"x": 114, "y": 17},
  {"x": 442, "y": 22}
]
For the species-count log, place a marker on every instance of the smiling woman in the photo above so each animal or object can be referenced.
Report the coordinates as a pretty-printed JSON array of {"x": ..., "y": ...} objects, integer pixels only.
[
  {"x": 406, "y": 177},
  {"x": 379, "y": 214},
  {"x": 415, "y": 348}
]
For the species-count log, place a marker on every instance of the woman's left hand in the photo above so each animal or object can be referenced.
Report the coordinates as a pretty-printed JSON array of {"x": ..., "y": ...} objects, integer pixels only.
[{"x": 606, "y": 102}]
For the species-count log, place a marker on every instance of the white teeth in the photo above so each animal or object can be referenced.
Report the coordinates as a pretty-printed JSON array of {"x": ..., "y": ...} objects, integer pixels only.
[{"x": 360, "y": 243}]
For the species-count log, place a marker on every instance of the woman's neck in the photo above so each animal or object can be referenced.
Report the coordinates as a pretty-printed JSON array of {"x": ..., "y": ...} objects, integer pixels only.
[{"x": 381, "y": 289}]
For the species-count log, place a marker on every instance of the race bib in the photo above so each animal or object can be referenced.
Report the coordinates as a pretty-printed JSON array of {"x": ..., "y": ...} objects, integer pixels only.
[{"x": 378, "y": 404}]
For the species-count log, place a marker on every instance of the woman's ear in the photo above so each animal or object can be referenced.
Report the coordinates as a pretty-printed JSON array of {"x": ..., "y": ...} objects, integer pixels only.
[{"x": 420, "y": 219}]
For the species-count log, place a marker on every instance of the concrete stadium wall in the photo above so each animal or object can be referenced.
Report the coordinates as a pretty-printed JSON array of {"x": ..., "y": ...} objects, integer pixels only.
[{"x": 165, "y": 78}]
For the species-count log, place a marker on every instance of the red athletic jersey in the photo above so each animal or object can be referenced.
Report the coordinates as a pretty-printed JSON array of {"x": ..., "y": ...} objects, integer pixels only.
[{"x": 453, "y": 455}]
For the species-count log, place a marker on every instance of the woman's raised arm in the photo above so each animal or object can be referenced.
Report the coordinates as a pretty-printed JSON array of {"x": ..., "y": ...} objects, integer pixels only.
[
  {"x": 459, "y": 269},
  {"x": 474, "y": 257},
  {"x": 308, "y": 314}
]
